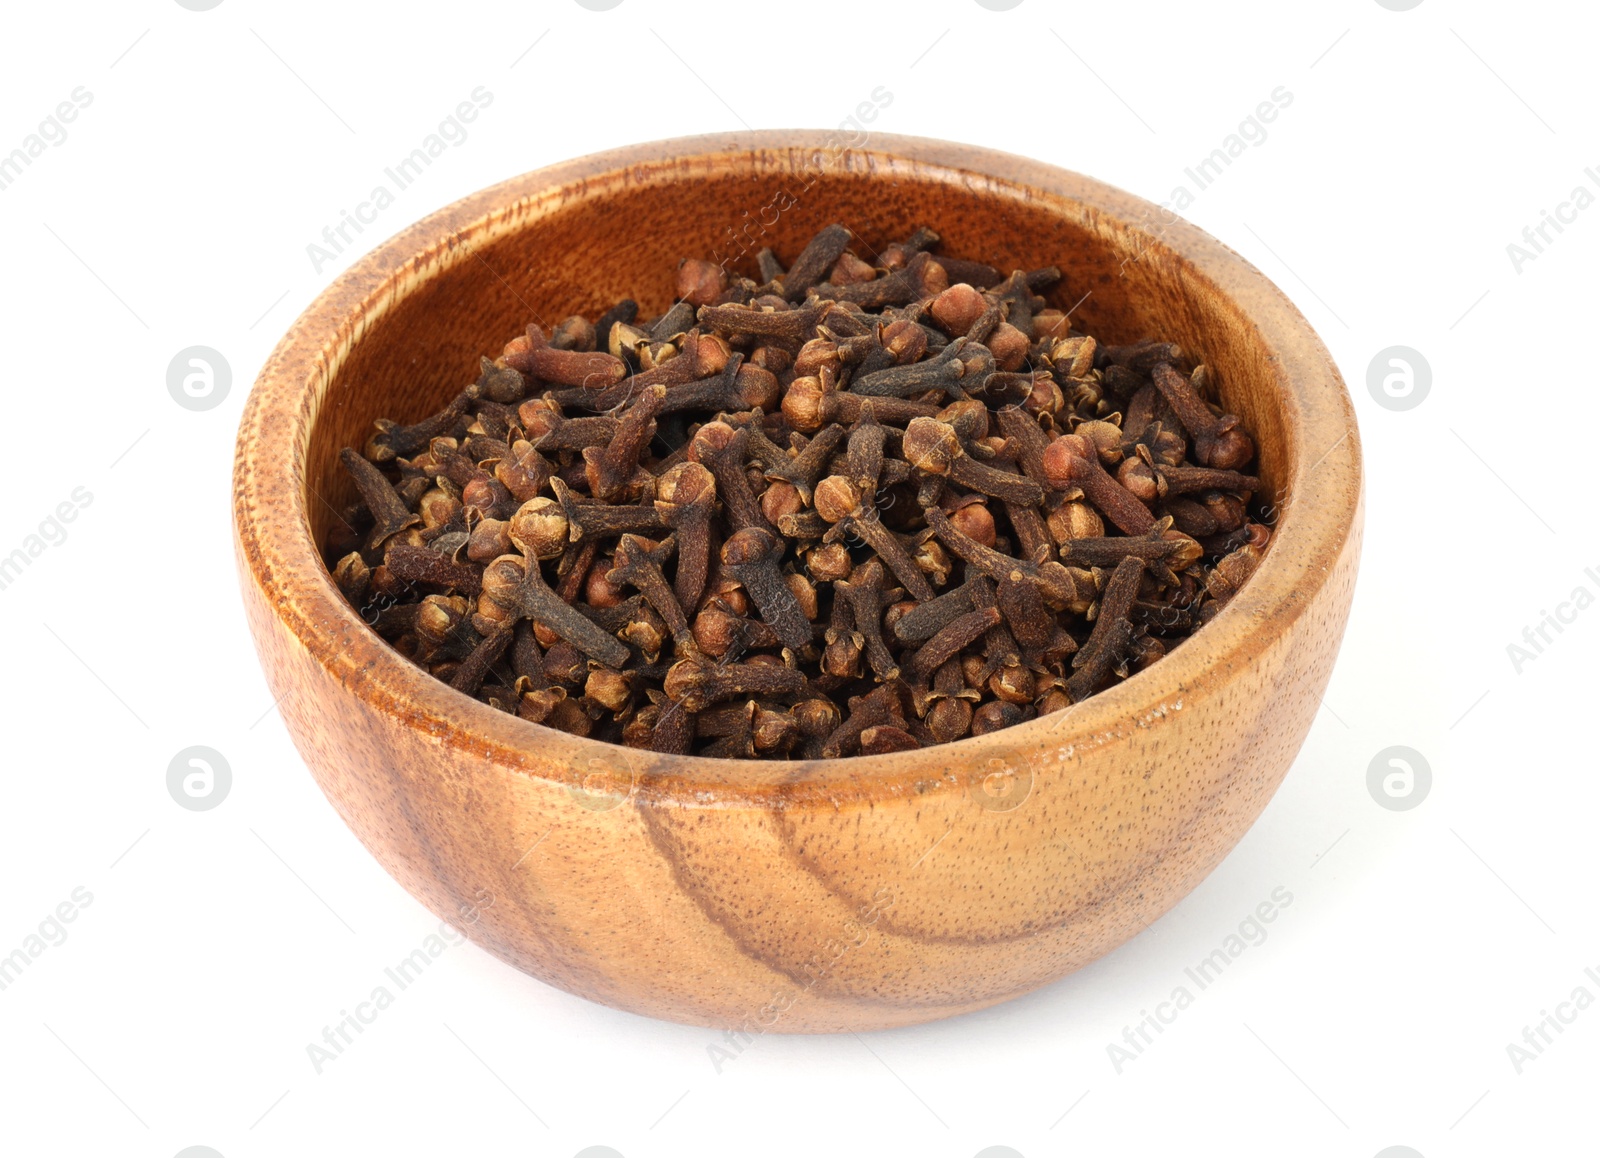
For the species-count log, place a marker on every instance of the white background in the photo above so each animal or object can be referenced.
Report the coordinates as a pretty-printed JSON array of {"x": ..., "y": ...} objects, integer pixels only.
[{"x": 218, "y": 944}]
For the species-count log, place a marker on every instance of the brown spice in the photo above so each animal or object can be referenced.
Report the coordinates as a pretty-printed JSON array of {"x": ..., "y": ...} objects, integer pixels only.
[{"x": 864, "y": 504}]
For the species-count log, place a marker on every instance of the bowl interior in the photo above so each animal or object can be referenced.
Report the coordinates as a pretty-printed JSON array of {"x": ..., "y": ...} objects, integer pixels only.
[{"x": 582, "y": 247}]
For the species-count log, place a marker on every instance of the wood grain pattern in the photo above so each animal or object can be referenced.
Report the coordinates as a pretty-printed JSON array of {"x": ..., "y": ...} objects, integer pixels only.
[{"x": 803, "y": 897}]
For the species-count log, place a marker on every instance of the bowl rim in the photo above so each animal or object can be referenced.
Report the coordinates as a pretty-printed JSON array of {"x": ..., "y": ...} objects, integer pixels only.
[{"x": 275, "y": 551}]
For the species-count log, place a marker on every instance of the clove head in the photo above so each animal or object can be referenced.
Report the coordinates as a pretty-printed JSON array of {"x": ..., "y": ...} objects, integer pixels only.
[
  {"x": 1066, "y": 461},
  {"x": 931, "y": 445},
  {"x": 539, "y": 529},
  {"x": 700, "y": 283},
  {"x": 835, "y": 498},
  {"x": 684, "y": 492}
]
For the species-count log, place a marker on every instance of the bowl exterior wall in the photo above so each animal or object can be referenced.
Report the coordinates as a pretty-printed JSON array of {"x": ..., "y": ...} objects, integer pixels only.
[
  {"x": 803, "y": 897},
  {"x": 968, "y": 887}
]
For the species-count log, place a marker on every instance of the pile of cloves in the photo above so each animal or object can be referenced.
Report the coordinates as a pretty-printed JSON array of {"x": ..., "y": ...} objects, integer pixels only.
[{"x": 867, "y": 503}]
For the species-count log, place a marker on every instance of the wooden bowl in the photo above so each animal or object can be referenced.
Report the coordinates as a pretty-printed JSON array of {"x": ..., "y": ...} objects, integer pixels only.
[{"x": 822, "y": 896}]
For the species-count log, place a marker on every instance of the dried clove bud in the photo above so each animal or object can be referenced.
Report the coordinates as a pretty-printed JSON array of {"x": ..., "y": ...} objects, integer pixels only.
[{"x": 875, "y": 502}]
